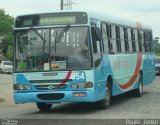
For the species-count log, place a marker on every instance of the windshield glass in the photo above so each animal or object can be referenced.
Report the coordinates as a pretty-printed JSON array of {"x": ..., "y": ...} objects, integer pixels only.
[
  {"x": 7, "y": 63},
  {"x": 70, "y": 52}
]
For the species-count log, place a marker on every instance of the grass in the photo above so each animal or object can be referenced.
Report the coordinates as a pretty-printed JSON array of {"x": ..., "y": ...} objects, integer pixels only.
[{"x": 157, "y": 54}]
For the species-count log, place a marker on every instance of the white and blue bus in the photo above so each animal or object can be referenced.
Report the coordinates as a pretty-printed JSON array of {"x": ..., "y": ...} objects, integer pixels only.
[{"x": 79, "y": 57}]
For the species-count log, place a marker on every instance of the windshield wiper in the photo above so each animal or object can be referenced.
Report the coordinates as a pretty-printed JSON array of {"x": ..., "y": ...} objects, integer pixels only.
[
  {"x": 61, "y": 34},
  {"x": 40, "y": 36}
]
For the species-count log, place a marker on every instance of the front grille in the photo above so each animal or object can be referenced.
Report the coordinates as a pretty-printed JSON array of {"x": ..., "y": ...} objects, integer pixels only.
[
  {"x": 50, "y": 87},
  {"x": 49, "y": 81},
  {"x": 54, "y": 96},
  {"x": 49, "y": 84}
]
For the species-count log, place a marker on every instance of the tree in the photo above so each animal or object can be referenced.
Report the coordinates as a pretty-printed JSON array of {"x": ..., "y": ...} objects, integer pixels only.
[
  {"x": 156, "y": 46},
  {"x": 4, "y": 46},
  {"x": 6, "y": 27},
  {"x": 6, "y": 24}
]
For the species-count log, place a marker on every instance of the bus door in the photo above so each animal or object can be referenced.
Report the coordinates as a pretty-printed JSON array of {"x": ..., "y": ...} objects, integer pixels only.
[
  {"x": 96, "y": 43},
  {"x": 97, "y": 58}
]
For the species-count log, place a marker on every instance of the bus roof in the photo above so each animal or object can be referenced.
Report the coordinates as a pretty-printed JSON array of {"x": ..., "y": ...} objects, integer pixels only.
[
  {"x": 106, "y": 18},
  {"x": 117, "y": 20}
]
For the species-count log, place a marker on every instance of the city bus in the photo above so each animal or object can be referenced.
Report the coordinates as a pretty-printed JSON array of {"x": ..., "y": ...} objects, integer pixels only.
[{"x": 77, "y": 56}]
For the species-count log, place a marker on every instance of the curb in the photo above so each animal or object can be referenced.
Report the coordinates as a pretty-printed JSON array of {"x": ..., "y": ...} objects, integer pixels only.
[{"x": 1, "y": 99}]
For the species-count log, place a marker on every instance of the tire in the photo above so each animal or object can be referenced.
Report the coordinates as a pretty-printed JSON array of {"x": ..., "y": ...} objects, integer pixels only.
[
  {"x": 139, "y": 91},
  {"x": 105, "y": 103},
  {"x": 44, "y": 106}
]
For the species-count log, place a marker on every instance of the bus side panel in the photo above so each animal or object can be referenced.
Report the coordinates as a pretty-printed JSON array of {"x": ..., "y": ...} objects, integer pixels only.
[
  {"x": 101, "y": 74},
  {"x": 148, "y": 69},
  {"x": 100, "y": 77},
  {"x": 124, "y": 70}
]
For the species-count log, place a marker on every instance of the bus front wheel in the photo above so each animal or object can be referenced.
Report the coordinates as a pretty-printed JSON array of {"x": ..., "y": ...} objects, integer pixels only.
[
  {"x": 105, "y": 103},
  {"x": 44, "y": 106}
]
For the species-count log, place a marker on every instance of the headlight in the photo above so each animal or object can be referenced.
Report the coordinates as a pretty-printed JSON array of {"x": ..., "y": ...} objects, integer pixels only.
[
  {"x": 82, "y": 85},
  {"x": 21, "y": 87}
]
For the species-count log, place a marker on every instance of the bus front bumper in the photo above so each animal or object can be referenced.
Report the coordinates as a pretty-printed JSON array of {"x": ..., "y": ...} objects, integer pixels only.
[{"x": 53, "y": 97}]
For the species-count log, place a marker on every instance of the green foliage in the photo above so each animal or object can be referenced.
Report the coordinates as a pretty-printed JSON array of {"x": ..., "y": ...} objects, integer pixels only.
[
  {"x": 9, "y": 54},
  {"x": 156, "y": 46},
  {"x": 6, "y": 27},
  {"x": 6, "y": 24}
]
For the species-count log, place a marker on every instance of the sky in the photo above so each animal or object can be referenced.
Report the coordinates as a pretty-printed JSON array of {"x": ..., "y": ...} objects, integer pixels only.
[{"x": 145, "y": 11}]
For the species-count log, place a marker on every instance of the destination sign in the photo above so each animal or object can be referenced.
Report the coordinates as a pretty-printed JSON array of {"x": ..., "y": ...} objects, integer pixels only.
[
  {"x": 51, "y": 19},
  {"x": 58, "y": 20}
]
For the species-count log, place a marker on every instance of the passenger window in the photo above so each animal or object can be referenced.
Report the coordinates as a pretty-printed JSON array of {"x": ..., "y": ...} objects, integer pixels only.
[
  {"x": 141, "y": 40},
  {"x": 126, "y": 40},
  {"x": 146, "y": 41},
  {"x": 139, "y": 43},
  {"x": 136, "y": 40},
  {"x": 104, "y": 31},
  {"x": 96, "y": 42},
  {"x": 129, "y": 39},
  {"x": 109, "y": 34},
  {"x": 150, "y": 42},
  {"x": 113, "y": 41},
  {"x": 105, "y": 38},
  {"x": 122, "y": 39},
  {"x": 118, "y": 42},
  {"x": 133, "y": 40}
]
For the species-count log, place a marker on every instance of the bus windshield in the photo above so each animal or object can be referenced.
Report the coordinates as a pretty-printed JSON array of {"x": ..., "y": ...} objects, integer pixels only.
[{"x": 39, "y": 49}]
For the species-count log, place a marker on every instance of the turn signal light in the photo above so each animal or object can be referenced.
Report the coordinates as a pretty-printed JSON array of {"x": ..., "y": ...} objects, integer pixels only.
[{"x": 82, "y": 85}]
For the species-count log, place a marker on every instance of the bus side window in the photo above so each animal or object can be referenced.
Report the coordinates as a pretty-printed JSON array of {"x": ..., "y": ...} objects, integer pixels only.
[
  {"x": 109, "y": 34},
  {"x": 133, "y": 40},
  {"x": 141, "y": 41},
  {"x": 105, "y": 38},
  {"x": 95, "y": 40},
  {"x": 136, "y": 40},
  {"x": 118, "y": 42},
  {"x": 129, "y": 39},
  {"x": 146, "y": 41},
  {"x": 150, "y": 41},
  {"x": 113, "y": 39},
  {"x": 122, "y": 39},
  {"x": 126, "y": 40}
]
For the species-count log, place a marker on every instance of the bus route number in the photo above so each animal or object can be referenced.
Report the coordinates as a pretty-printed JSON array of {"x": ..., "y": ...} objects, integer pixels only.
[{"x": 78, "y": 76}]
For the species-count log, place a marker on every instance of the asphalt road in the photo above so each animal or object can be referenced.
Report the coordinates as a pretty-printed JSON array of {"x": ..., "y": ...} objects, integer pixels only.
[{"x": 122, "y": 107}]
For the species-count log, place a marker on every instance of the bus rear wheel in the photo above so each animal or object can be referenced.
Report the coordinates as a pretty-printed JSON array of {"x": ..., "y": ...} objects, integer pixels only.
[
  {"x": 44, "y": 106},
  {"x": 139, "y": 91}
]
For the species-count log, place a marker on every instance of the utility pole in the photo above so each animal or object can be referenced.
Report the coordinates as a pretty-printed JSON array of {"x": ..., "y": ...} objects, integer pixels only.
[
  {"x": 67, "y": 4},
  {"x": 61, "y": 4}
]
